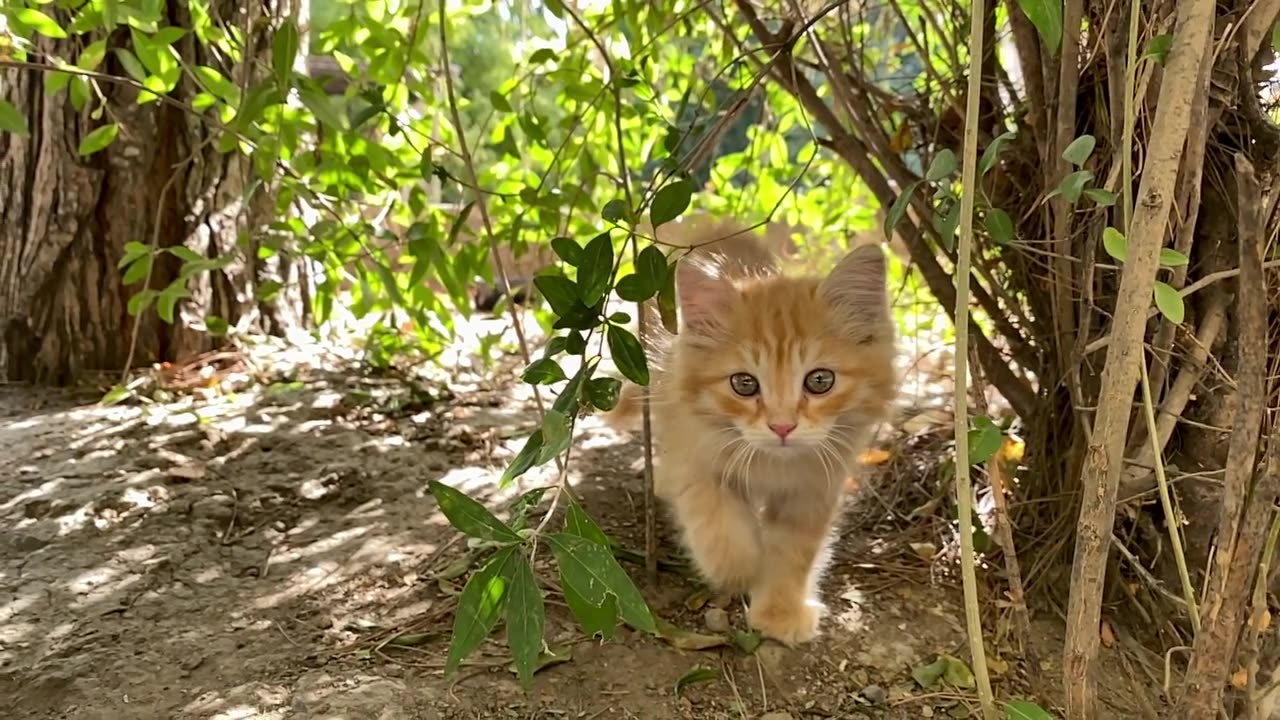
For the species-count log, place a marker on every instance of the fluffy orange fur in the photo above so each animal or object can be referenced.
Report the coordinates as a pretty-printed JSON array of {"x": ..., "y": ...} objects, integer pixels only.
[{"x": 754, "y": 470}]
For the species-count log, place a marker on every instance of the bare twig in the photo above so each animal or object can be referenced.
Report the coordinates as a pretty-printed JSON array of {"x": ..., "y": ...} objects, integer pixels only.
[{"x": 964, "y": 253}]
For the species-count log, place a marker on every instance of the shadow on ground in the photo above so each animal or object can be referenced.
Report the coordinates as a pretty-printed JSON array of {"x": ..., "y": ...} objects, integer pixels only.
[{"x": 248, "y": 558}]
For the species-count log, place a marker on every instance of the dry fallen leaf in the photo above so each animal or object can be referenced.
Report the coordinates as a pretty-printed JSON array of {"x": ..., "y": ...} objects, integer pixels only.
[
  {"x": 875, "y": 456},
  {"x": 1108, "y": 634},
  {"x": 1240, "y": 679},
  {"x": 1012, "y": 451}
]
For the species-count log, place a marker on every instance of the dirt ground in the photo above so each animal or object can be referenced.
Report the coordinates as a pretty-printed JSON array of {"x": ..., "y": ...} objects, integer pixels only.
[{"x": 272, "y": 552}]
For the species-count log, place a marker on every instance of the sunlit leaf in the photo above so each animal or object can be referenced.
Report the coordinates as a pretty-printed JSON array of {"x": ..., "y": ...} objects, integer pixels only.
[
  {"x": 99, "y": 139},
  {"x": 40, "y": 22},
  {"x": 479, "y": 606},
  {"x": 1046, "y": 16},
  {"x": 1172, "y": 258},
  {"x": 284, "y": 50},
  {"x": 1113, "y": 241},
  {"x": 1169, "y": 302}
]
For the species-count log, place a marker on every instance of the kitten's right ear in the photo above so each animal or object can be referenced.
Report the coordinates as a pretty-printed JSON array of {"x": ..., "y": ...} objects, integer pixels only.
[{"x": 704, "y": 295}]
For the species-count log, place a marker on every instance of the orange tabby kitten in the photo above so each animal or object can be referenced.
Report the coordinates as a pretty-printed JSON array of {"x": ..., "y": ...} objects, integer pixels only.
[{"x": 760, "y": 407}]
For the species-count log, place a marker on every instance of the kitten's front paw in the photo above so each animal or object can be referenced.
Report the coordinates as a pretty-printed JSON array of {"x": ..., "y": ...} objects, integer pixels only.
[{"x": 788, "y": 623}]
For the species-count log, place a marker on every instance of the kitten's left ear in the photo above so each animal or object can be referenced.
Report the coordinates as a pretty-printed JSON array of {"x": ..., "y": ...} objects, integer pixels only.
[{"x": 857, "y": 289}]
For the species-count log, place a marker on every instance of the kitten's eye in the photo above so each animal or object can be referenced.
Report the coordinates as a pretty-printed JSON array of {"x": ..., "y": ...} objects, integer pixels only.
[
  {"x": 819, "y": 382},
  {"x": 744, "y": 384}
]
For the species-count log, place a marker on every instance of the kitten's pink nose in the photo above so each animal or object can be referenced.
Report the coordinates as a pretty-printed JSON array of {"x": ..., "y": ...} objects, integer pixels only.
[{"x": 782, "y": 430}]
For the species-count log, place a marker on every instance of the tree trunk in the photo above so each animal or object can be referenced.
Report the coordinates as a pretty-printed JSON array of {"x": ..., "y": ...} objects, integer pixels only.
[{"x": 66, "y": 218}]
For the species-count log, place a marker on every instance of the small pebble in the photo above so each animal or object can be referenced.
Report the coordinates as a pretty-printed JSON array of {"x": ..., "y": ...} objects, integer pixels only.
[
  {"x": 875, "y": 694},
  {"x": 717, "y": 620}
]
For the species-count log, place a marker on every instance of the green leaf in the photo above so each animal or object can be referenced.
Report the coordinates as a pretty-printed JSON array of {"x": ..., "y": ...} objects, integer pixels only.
[
  {"x": 169, "y": 298},
  {"x": 116, "y": 395},
  {"x": 99, "y": 139},
  {"x": 898, "y": 210},
  {"x": 593, "y": 572},
  {"x": 946, "y": 667},
  {"x": 985, "y": 440},
  {"x": 561, "y": 293},
  {"x": 93, "y": 54},
  {"x": 469, "y": 516},
  {"x": 628, "y": 355},
  {"x": 567, "y": 250},
  {"x": 1158, "y": 48},
  {"x": 1169, "y": 302},
  {"x": 1046, "y": 16},
  {"x": 544, "y": 371},
  {"x": 525, "y": 459},
  {"x": 557, "y": 432},
  {"x": 667, "y": 304},
  {"x": 999, "y": 226},
  {"x": 615, "y": 211},
  {"x": 943, "y": 165},
  {"x": 601, "y": 620},
  {"x": 1079, "y": 150},
  {"x": 1073, "y": 185},
  {"x": 603, "y": 393},
  {"x": 1024, "y": 710},
  {"x": 542, "y": 55},
  {"x": 526, "y": 616},
  {"x": 1114, "y": 243},
  {"x": 132, "y": 251},
  {"x": 137, "y": 271},
  {"x": 1100, "y": 197},
  {"x": 578, "y": 522},
  {"x": 651, "y": 272},
  {"x": 284, "y": 50},
  {"x": 992, "y": 154},
  {"x": 41, "y": 23},
  {"x": 498, "y": 102},
  {"x": 1172, "y": 258},
  {"x": 947, "y": 225},
  {"x": 696, "y": 675},
  {"x": 268, "y": 290},
  {"x": 12, "y": 120},
  {"x": 140, "y": 301},
  {"x": 324, "y": 108},
  {"x": 568, "y": 400},
  {"x": 131, "y": 64},
  {"x": 670, "y": 201},
  {"x": 595, "y": 269},
  {"x": 479, "y": 607}
]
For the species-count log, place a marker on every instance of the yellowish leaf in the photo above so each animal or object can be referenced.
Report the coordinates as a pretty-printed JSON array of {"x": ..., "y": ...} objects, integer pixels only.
[
  {"x": 1240, "y": 679},
  {"x": 1108, "y": 634},
  {"x": 875, "y": 456}
]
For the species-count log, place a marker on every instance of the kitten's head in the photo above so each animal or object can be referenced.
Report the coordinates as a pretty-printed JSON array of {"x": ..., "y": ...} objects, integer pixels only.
[{"x": 787, "y": 364}]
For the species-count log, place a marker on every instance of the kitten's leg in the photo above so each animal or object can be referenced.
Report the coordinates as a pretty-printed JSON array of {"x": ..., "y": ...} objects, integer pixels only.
[
  {"x": 721, "y": 534},
  {"x": 785, "y": 604}
]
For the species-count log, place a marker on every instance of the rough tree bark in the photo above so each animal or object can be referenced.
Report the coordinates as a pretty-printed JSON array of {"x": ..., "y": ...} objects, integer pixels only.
[{"x": 66, "y": 219}]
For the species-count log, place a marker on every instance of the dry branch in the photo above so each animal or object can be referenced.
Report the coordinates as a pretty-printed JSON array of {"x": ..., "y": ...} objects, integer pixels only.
[
  {"x": 1100, "y": 475},
  {"x": 1245, "y": 508}
]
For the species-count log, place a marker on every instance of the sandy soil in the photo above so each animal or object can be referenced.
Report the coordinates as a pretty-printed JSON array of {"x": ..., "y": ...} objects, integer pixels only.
[{"x": 250, "y": 554}]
